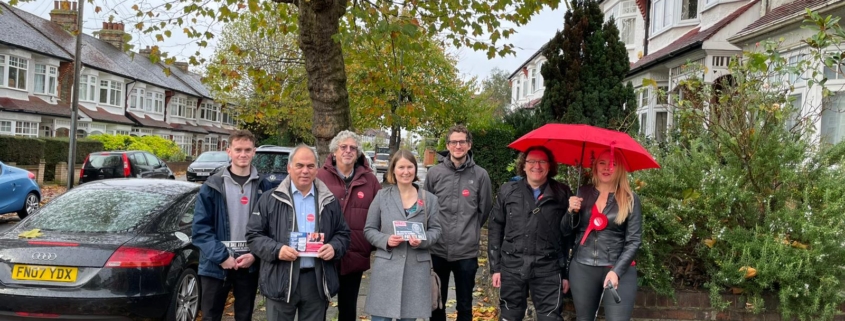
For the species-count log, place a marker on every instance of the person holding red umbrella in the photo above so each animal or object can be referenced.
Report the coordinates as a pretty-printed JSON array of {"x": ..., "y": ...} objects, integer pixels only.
[
  {"x": 606, "y": 219},
  {"x": 526, "y": 247}
]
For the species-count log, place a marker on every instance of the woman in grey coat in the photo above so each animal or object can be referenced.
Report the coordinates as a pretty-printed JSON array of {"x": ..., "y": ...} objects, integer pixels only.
[{"x": 400, "y": 281}]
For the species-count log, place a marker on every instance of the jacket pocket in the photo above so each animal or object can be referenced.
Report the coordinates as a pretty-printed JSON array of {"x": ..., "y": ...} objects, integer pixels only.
[
  {"x": 274, "y": 280},
  {"x": 384, "y": 254},
  {"x": 423, "y": 256},
  {"x": 613, "y": 251}
]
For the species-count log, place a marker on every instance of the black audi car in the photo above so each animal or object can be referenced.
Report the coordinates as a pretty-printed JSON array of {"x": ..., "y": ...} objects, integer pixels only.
[
  {"x": 205, "y": 164},
  {"x": 115, "y": 249}
]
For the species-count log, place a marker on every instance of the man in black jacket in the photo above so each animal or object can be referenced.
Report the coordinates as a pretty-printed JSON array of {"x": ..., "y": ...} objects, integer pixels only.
[
  {"x": 296, "y": 281},
  {"x": 527, "y": 251}
]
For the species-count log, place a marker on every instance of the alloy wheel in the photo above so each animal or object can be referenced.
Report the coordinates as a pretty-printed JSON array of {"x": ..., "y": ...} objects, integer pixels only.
[
  {"x": 187, "y": 299},
  {"x": 31, "y": 203}
]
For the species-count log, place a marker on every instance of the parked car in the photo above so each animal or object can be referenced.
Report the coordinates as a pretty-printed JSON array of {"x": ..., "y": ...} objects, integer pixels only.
[
  {"x": 371, "y": 154},
  {"x": 120, "y": 164},
  {"x": 114, "y": 249},
  {"x": 19, "y": 190},
  {"x": 206, "y": 163},
  {"x": 382, "y": 161},
  {"x": 272, "y": 162},
  {"x": 371, "y": 162}
]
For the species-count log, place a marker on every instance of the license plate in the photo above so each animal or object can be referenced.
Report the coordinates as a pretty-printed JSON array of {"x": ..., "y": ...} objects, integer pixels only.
[
  {"x": 44, "y": 273},
  {"x": 202, "y": 174}
]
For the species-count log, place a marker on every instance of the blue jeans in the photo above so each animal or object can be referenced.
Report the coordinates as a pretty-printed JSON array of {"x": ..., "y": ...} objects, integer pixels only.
[{"x": 378, "y": 318}]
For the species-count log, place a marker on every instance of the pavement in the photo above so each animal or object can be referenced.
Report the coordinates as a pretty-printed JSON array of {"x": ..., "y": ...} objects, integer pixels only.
[{"x": 260, "y": 313}]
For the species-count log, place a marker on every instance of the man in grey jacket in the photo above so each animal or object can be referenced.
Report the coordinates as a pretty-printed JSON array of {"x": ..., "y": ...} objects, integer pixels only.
[{"x": 465, "y": 196}]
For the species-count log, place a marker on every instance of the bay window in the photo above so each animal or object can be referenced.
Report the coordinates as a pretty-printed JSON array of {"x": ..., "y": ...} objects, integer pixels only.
[
  {"x": 45, "y": 79},
  {"x": 13, "y": 72},
  {"x": 111, "y": 92},
  {"x": 87, "y": 88}
]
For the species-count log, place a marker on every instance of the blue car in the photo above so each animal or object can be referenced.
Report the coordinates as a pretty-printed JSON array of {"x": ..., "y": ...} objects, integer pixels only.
[{"x": 19, "y": 192}]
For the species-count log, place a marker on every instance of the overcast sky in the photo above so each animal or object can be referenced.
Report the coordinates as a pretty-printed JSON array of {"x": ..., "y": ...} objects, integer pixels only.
[{"x": 528, "y": 39}]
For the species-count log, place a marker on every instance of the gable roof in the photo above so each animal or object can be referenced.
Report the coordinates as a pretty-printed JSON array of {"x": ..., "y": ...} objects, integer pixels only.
[
  {"x": 96, "y": 54},
  {"x": 787, "y": 13},
  {"x": 539, "y": 51},
  {"x": 690, "y": 41},
  {"x": 18, "y": 33}
]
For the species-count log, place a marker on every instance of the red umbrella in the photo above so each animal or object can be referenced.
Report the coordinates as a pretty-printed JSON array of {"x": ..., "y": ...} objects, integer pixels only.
[{"x": 575, "y": 144}]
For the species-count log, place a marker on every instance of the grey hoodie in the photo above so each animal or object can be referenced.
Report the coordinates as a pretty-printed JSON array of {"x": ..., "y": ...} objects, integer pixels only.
[
  {"x": 466, "y": 199},
  {"x": 238, "y": 203}
]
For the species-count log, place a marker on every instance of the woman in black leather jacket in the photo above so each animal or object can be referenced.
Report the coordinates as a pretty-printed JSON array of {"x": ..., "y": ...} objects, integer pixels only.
[{"x": 607, "y": 223}]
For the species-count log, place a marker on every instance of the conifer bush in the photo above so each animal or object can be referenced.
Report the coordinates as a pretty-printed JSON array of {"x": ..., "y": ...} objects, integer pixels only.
[{"x": 749, "y": 200}]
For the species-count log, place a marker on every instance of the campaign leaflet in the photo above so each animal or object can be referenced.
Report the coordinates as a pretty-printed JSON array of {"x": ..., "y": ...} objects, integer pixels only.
[
  {"x": 407, "y": 228},
  {"x": 307, "y": 244}
]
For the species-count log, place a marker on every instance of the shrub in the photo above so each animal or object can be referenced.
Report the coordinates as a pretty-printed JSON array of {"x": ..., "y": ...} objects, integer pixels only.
[
  {"x": 21, "y": 150},
  {"x": 490, "y": 146},
  {"x": 746, "y": 199},
  {"x": 165, "y": 149}
]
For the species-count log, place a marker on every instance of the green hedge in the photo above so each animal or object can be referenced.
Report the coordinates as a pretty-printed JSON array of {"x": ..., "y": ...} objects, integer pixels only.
[
  {"x": 21, "y": 150},
  {"x": 490, "y": 151},
  {"x": 56, "y": 150}
]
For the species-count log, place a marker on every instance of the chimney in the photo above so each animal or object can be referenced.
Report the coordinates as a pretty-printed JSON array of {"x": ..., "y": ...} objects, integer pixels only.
[
  {"x": 146, "y": 52},
  {"x": 64, "y": 14},
  {"x": 182, "y": 65},
  {"x": 113, "y": 33}
]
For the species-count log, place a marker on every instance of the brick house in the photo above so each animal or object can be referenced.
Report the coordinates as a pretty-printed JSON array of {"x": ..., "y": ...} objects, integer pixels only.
[{"x": 120, "y": 92}]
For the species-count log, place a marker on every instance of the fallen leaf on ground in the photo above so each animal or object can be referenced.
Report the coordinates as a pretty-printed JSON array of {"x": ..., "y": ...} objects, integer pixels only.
[{"x": 333, "y": 304}]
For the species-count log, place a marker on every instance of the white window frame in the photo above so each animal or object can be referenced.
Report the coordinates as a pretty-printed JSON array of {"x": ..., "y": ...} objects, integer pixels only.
[
  {"x": 48, "y": 79},
  {"x": 137, "y": 100},
  {"x": 114, "y": 92},
  {"x": 681, "y": 17},
  {"x": 210, "y": 112},
  {"x": 662, "y": 16},
  {"x": 661, "y": 133},
  {"x": 177, "y": 107},
  {"x": 26, "y": 128},
  {"x": 533, "y": 80},
  {"x": 155, "y": 100},
  {"x": 88, "y": 88},
  {"x": 191, "y": 109},
  {"x": 833, "y": 119},
  {"x": 645, "y": 98},
  {"x": 21, "y": 68},
  {"x": 525, "y": 86},
  {"x": 518, "y": 87},
  {"x": 7, "y": 127},
  {"x": 210, "y": 143},
  {"x": 121, "y": 132}
]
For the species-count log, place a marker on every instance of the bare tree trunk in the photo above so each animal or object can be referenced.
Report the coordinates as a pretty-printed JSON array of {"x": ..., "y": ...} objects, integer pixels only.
[
  {"x": 318, "y": 22},
  {"x": 395, "y": 138}
]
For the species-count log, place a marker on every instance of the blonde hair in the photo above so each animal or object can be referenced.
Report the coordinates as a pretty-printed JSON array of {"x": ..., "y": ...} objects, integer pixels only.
[{"x": 623, "y": 194}]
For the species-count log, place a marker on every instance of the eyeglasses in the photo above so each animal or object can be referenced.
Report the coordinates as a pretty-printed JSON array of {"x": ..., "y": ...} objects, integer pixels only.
[
  {"x": 457, "y": 142},
  {"x": 350, "y": 148},
  {"x": 541, "y": 162}
]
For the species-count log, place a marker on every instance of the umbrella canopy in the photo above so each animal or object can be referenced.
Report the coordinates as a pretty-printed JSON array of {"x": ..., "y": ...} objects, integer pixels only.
[{"x": 578, "y": 144}]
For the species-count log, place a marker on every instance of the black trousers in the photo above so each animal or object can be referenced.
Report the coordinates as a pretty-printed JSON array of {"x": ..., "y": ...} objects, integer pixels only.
[
  {"x": 305, "y": 300},
  {"x": 546, "y": 294},
  {"x": 347, "y": 296},
  {"x": 464, "y": 271},
  {"x": 243, "y": 284},
  {"x": 585, "y": 282}
]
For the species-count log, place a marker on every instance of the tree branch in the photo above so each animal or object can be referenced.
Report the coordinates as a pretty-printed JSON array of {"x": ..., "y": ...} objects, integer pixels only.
[{"x": 285, "y": 1}]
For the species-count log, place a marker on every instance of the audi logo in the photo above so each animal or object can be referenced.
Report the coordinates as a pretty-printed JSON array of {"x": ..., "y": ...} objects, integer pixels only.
[{"x": 44, "y": 256}]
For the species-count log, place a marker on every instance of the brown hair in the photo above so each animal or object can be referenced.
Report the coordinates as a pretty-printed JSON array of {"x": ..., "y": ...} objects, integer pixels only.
[
  {"x": 400, "y": 154},
  {"x": 459, "y": 129},
  {"x": 242, "y": 134},
  {"x": 623, "y": 194},
  {"x": 520, "y": 162}
]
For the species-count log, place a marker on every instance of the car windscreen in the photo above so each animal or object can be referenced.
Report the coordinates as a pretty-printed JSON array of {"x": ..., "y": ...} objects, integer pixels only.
[
  {"x": 383, "y": 157},
  {"x": 98, "y": 210},
  {"x": 104, "y": 161},
  {"x": 213, "y": 157},
  {"x": 271, "y": 162}
]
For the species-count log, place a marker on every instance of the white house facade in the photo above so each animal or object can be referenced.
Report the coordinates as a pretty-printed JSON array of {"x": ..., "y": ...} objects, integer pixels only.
[{"x": 118, "y": 93}]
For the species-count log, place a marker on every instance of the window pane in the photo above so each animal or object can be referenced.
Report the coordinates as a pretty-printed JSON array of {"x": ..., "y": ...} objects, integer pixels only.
[{"x": 689, "y": 9}]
